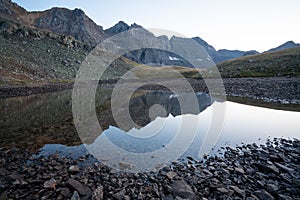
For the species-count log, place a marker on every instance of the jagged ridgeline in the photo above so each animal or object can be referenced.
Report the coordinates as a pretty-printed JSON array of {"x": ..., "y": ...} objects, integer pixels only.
[
  {"x": 31, "y": 55},
  {"x": 50, "y": 46}
]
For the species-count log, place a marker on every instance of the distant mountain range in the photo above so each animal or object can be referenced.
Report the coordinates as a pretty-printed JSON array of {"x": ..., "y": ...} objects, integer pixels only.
[
  {"x": 287, "y": 45},
  {"x": 77, "y": 24}
]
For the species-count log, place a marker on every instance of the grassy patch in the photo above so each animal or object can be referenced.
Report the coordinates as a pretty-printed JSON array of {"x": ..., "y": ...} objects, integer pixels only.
[
  {"x": 280, "y": 63},
  {"x": 144, "y": 72}
]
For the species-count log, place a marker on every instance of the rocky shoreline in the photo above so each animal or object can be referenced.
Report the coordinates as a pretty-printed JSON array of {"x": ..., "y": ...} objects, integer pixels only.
[
  {"x": 250, "y": 171},
  {"x": 8, "y": 91},
  {"x": 282, "y": 90}
]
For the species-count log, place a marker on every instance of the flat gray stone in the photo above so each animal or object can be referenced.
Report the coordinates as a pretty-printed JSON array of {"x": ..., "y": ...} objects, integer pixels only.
[
  {"x": 82, "y": 189},
  {"x": 182, "y": 189}
]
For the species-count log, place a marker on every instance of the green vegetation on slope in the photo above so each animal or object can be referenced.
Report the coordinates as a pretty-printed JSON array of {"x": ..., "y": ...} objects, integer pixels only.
[
  {"x": 280, "y": 63},
  {"x": 144, "y": 72}
]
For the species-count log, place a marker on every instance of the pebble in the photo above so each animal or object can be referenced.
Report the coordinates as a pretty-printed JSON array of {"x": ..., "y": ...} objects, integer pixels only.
[
  {"x": 75, "y": 196},
  {"x": 98, "y": 193},
  {"x": 236, "y": 175},
  {"x": 181, "y": 189},
  {"x": 239, "y": 170},
  {"x": 74, "y": 169},
  {"x": 171, "y": 174},
  {"x": 263, "y": 194},
  {"x": 82, "y": 189}
]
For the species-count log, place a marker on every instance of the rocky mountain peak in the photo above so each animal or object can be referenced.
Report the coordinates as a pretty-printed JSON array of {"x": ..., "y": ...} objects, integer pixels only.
[
  {"x": 121, "y": 26},
  {"x": 77, "y": 24},
  {"x": 78, "y": 11},
  {"x": 134, "y": 25},
  {"x": 290, "y": 43},
  {"x": 118, "y": 28},
  {"x": 71, "y": 22},
  {"x": 63, "y": 21},
  {"x": 286, "y": 45}
]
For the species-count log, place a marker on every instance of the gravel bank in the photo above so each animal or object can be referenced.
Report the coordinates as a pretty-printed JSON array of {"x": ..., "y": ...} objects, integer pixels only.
[
  {"x": 269, "y": 171},
  {"x": 272, "y": 89}
]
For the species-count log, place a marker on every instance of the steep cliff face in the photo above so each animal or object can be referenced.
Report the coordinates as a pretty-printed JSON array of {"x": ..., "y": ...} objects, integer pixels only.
[
  {"x": 71, "y": 22},
  {"x": 159, "y": 56},
  {"x": 63, "y": 21}
]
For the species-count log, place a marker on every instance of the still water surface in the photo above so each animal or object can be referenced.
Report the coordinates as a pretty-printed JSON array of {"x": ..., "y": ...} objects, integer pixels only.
[{"x": 44, "y": 122}]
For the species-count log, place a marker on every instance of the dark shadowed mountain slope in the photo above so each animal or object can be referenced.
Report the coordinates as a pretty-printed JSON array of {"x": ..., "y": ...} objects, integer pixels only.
[
  {"x": 11, "y": 11},
  {"x": 210, "y": 49},
  {"x": 120, "y": 27},
  {"x": 71, "y": 22},
  {"x": 58, "y": 20},
  {"x": 29, "y": 55},
  {"x": 77, "y": 24},
  {"x": 225, "y": 54},
  {"x": 149, "y": 56}
]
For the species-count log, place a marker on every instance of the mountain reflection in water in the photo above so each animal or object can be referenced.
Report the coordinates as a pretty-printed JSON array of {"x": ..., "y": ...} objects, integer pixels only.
[
  {"x": 242, "y": 124},
  {"x": 35, "y": 120}
]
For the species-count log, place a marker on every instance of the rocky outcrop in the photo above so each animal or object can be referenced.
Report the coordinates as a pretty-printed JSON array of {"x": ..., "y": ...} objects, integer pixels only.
[
  {"x": 11, "y": 11},
  {"x": 62, "y": 21},
  {"x": 121, "y": 27},
  {"x": 14, "y": 29},
  {"x": 71, "y": 22},
  {"x": 118, "y": 28}
]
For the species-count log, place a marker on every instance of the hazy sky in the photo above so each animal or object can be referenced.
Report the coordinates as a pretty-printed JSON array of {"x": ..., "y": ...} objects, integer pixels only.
[{"x": 230, "y": 24}]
